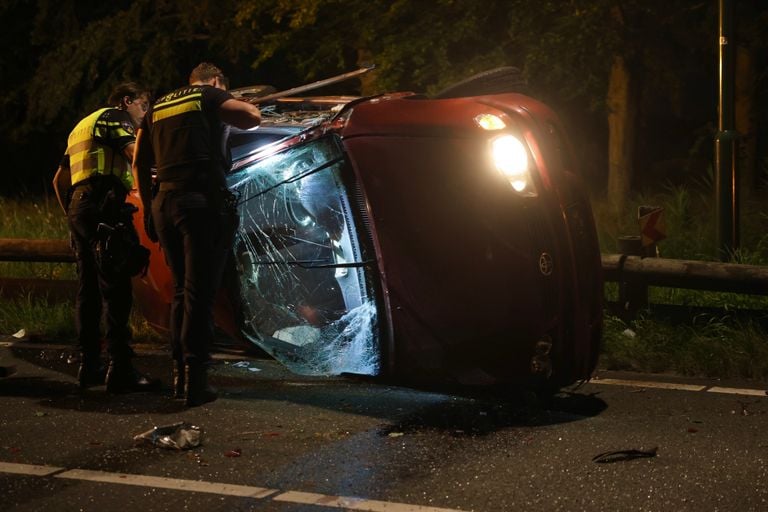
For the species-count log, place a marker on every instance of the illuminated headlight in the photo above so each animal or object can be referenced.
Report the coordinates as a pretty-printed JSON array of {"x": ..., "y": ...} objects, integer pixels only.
[
  {"x": 490, "y": 122},
  {"x": 511, "y": 160}
]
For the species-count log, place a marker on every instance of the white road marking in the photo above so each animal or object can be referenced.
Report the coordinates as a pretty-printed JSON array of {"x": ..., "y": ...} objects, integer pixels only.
[
  {"x": 242, "y": 491},
  {"x": 350, "y": 503},
  {"x": 27, "y": 469},
  {"x": 737, "y": 391},
  {"x": 649, "y": 384},
  {"x": 679, "y": 387}
]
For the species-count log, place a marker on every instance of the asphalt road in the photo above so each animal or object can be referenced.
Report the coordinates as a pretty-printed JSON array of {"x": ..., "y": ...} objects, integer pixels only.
[{"x": 280, "y": 442}]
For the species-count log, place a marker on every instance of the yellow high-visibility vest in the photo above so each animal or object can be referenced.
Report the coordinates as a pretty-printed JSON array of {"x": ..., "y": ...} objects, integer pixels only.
[{"x": 88, "y": 156}]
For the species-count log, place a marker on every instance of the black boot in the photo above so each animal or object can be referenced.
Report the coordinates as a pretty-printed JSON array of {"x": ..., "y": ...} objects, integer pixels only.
[
  {"x": 198, "y": 390},
  {"x": 122, "y": 377},
  {"x": 92, "y": 372},
  {"x": 179, "y": 379}
]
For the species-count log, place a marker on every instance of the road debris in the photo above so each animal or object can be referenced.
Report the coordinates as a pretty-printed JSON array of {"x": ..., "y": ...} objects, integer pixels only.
[
  {"x": 178, "y": 436},
  {"x": 246, "y": 365},
  {"x": 623, "y": 455},
  {"x": 198, "y": 458},
  {"x": 233, "y": 453}
]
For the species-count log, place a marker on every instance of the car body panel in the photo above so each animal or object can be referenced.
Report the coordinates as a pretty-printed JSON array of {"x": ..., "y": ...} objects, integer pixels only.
[
  {"x": 403, "y": 217},
  {"x": 459, "y": 251}
]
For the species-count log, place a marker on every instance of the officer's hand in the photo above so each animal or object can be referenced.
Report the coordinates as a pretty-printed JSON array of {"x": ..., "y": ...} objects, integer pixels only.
[{"x": 149, "y": 227}]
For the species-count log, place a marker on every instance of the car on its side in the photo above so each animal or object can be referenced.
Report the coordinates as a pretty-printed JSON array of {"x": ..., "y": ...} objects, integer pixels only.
[{"x": 443, "y": 239}]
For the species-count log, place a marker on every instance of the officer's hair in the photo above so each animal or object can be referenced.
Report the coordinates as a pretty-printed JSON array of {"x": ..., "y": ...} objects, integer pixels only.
[
  {"x": 205, "y": 71},
  {"x": 130, "y": 89}
]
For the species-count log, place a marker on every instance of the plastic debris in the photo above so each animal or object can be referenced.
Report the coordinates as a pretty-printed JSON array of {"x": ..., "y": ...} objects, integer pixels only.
[
  {"x": 20, "y": 333},
  {"x": 178, "y": 436},
  {"x": 744, "y": 411},
  {"x": 246, "y": 365},
  {"x": 233, "y": 453}
]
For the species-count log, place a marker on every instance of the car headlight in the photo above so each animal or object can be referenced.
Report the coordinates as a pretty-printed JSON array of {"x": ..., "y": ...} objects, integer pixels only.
[
  {"x": 511, "y": 159},
  {"x": 490, "y": 122}
]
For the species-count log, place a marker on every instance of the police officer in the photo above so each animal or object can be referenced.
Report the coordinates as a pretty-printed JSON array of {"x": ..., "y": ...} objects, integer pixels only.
[
  {"x": 182, "y": 136},
  {"x": 91, "y": 185}
]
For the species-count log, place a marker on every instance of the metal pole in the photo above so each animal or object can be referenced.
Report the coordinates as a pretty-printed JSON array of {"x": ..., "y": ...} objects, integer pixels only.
[{"x": 725, "y": 140}]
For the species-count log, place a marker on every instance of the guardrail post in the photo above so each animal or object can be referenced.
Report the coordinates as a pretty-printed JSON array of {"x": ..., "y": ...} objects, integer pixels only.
[{"x": 633, "y": 296}]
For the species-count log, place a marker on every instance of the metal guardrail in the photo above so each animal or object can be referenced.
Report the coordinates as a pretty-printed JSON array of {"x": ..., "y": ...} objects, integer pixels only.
[
  {"x": 632, "y": 272},
  {"x": 689, "y": 274},
  {"x": 44, "y": 251},
  {"x": 21, "y": 249}
]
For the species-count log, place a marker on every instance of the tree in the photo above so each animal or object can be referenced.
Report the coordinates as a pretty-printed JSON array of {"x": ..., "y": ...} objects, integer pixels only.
[
  {"x": 625, "y": 60},
  {"x": 69, "y": 54},
  {"x": 750, "y": 51},
  {"x": 624, "y": 74},
  {"x": 415, "y": 46}
]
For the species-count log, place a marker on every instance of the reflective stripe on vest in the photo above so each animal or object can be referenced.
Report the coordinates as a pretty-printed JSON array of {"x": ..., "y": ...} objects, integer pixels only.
[
  {"x": 176, "y": 106},
  {"x": 87, "y": 156}
]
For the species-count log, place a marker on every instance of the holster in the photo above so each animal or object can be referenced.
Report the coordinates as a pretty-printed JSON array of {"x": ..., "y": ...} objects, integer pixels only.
[{"x": 118, "y": 250}]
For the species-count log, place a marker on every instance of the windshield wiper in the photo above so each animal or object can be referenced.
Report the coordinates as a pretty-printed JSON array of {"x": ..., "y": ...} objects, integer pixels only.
[{"x": 314, "y": 263}]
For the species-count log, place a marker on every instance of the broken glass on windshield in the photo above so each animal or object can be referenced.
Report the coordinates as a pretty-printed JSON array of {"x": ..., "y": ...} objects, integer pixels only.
[{"x": 304, "y": 284}]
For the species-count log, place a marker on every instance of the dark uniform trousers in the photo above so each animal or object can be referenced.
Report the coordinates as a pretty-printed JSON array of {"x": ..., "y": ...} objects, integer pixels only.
[
  {"x": 98, "y": 292},
  {"x": 195, "y": 240}
]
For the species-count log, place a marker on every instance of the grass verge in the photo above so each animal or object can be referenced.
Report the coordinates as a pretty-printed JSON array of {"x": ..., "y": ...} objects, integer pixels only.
[
  {"x": 708, "y": 346},
  {"x": 41, "y": 218},
  {"x": 720, "y": 344},
  {"x": 42, "y": 319}
]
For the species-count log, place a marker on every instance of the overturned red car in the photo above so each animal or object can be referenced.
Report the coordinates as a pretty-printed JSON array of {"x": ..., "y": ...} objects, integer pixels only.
[{"x": 424, "y": 239}]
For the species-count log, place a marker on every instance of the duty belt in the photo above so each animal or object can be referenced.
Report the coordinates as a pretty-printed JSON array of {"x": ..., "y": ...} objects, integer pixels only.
[{"x": 97, "y": 181}]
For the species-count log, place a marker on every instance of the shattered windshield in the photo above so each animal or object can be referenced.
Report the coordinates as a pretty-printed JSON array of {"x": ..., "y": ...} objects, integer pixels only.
[{"x": 305, "y": 286}]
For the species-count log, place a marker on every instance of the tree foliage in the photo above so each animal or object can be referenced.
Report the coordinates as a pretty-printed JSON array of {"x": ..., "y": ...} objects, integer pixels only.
[{"x": 64, "y": 56}]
